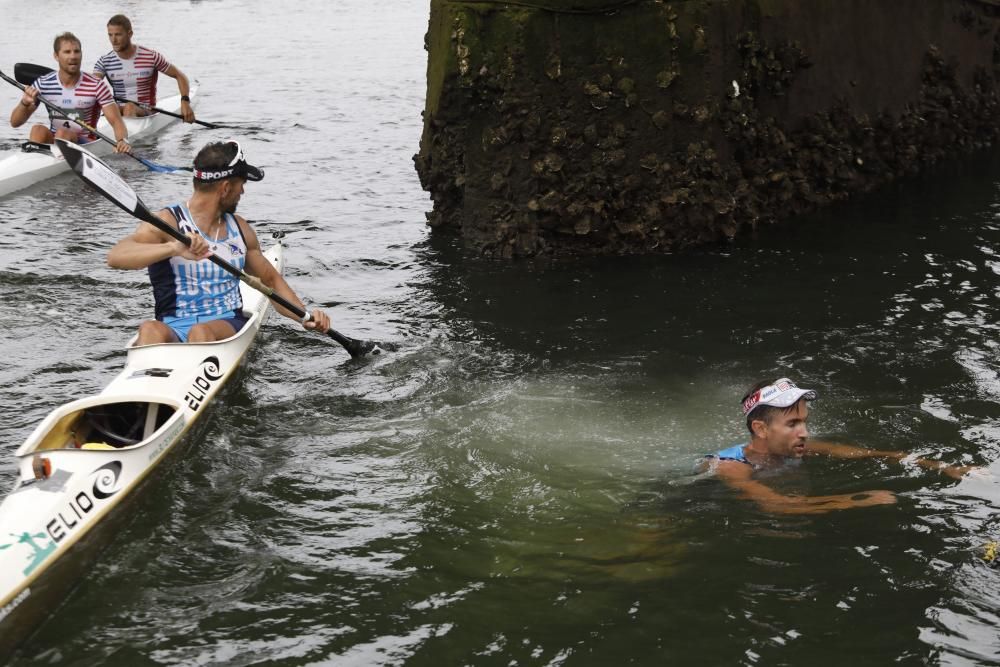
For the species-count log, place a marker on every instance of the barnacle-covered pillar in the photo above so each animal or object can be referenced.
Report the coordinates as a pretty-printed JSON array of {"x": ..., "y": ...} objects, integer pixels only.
[{"x": 603, "y": 126}]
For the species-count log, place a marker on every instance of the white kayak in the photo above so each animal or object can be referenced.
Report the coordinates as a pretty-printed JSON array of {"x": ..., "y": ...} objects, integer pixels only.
[
  {"x": 85, "y": 462},
  {"x": 23, "y": 168}
]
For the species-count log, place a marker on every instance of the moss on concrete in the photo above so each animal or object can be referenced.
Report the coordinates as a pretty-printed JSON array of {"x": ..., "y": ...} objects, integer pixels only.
[{"x": 559, "y": 128}]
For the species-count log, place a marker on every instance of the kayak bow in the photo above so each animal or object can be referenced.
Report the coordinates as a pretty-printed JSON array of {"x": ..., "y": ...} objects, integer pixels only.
[{"x": 89, "y": 458}]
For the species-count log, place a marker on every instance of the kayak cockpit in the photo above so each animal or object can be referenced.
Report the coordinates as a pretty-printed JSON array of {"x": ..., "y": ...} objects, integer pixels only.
[
  {"x": 100, "y": 423},
  {"x": 36, "y": 147}
]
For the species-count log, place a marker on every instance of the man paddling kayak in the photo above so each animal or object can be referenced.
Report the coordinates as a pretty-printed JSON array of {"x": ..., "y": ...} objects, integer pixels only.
[
  {"x": 132, "y": 70},
  {"x": 776, "y": 413},
  {"x": 196, "y": 301},
  {"x": 76, "y": 94}
]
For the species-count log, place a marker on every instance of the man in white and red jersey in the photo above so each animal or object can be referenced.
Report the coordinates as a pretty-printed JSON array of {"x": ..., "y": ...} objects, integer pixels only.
[
  {"x": 133, "y": 70},
  {"x": 77, "y": 95}
]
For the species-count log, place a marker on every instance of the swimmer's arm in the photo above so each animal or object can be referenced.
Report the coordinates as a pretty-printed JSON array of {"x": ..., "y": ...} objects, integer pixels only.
[
  {"x": 840, "y": 451},
  {"x": 739, "y": 477}
]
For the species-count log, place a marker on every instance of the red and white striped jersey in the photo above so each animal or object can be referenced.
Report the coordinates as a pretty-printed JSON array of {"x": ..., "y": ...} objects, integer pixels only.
[
  {"x": 83, "y": 101},
  {"x": 133, "y": 79}
]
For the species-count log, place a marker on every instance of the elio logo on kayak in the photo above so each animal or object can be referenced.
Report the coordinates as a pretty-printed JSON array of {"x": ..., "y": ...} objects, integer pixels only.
[
  {"x": 69, "y": 516},
  {"x": 83, "y": 503},
  {"x": 209, "y": 374}
]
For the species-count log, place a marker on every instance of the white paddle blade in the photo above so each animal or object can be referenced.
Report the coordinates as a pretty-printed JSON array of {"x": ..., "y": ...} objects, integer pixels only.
[{"x": 90, "y": 168}]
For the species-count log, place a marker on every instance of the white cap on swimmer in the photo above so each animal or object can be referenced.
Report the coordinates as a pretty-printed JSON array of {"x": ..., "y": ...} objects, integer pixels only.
[{"x": 782, "y": 394}]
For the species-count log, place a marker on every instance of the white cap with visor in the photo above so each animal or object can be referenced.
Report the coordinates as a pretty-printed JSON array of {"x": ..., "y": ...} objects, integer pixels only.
[
  {"x": 781, "y": 394},
  {"x": 238, "y": 167}
]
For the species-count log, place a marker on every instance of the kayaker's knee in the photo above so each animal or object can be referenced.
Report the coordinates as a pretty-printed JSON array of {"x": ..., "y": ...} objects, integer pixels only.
[
  {"x": 130, "y": 110},
  {"x": 67, "y": 135},
  {"x": 152, "y": 332},
  {"x": 208, "y": 332},
  {"x": 40, "y": 134}
]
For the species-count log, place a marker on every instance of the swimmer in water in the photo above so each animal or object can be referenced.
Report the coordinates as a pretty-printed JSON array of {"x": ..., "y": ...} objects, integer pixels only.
[{"x": 777, "y": 412}]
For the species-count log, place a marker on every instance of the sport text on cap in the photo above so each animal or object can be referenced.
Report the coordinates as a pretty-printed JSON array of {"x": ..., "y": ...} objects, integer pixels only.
[{"x": 238, "y": 167}]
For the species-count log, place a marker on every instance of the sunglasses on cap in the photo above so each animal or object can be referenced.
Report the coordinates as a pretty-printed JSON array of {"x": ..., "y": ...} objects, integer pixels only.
[{"x": 238, "y": 167}]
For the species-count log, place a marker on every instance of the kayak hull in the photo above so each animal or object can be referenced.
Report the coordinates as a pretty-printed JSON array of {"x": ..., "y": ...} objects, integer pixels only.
[{"x": 89, "y": 459}]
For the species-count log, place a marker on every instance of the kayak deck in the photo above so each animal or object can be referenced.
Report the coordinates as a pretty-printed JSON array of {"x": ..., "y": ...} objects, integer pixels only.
[{"x": 87, "y": 457}]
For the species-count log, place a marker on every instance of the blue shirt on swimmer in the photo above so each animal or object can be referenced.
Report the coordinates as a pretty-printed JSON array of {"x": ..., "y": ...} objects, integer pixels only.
[
  {"x": 200, "y": 290},
  {"x": 734, "y": 453},
  {"x": 737, "y": 453}
]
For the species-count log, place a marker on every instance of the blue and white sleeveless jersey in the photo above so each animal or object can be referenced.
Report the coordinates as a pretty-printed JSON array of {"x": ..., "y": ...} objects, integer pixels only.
[{"x": 186, "y": 288}]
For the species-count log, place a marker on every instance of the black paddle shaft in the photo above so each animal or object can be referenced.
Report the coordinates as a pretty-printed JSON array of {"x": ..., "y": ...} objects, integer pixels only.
[
  {"x": 356, "y": 348},
  {"x": 28, "y": 73}
]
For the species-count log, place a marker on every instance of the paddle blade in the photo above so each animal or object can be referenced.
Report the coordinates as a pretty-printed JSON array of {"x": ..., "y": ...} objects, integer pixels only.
[
  {"x": 160, "y": 168},
  {"x": 27, "y": 73},
  {"x": 102, "y": 178},
  {"x": 361, "y": 348}
]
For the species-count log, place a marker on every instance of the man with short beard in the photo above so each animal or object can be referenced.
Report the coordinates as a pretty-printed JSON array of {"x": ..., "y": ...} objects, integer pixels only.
[
  {"x": 776, "y": 413},
  {"x": 77, "y": 95},
  {"x": 133, "y": 69}
]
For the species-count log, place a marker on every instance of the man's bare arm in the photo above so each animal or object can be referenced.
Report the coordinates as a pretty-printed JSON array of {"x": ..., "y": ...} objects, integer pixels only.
[
  {"x": 184, "y": 88},
  {"x": 25, "y": 107},
  {"x": 841, "y": 451},
  {"x": 739, "y": 476},
  {"x": 257, "y": 265}
]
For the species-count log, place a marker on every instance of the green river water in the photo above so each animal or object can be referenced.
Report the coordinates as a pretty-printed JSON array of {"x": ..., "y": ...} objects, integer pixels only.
[{"x": 515, "y": 485}]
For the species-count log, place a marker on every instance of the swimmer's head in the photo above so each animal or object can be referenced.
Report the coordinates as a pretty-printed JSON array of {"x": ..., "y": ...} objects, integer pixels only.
[{"x": 768, "y": 398}]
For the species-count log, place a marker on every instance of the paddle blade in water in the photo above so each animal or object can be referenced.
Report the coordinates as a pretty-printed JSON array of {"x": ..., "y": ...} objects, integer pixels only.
[
  {"x": 161, "y": 168},
  {"x": 361, "y": 348},
  {"x": 365, "y": 349}
]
